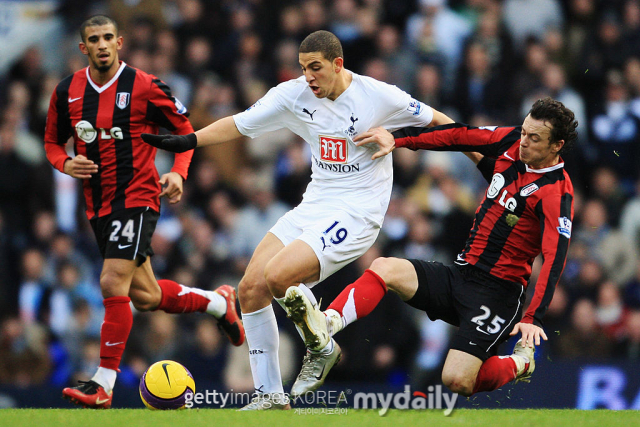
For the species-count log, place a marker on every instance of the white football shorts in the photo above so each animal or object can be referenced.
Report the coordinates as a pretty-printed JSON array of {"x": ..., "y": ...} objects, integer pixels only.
[{"x": 337, "y": 237}]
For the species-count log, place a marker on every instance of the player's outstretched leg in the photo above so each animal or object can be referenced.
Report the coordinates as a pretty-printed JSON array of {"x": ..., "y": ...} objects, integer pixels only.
[
  {"x": 89, "y": 394},
  {"x": 220, "y": 303}
]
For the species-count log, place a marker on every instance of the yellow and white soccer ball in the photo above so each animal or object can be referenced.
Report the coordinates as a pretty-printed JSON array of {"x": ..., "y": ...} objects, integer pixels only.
[{"x": 166, "y": 385}]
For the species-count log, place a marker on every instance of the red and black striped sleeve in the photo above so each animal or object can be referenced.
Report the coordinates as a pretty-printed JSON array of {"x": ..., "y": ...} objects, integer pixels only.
[
  {"x": 488, "y": 140},
  {"x": 167, "y": 111},
  {"x": 58, "y": 126},
  {"x": 555, "y": 213}
]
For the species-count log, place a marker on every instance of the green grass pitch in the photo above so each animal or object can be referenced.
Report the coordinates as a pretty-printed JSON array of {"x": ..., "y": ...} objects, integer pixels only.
[{"x": 352, "y": 417}]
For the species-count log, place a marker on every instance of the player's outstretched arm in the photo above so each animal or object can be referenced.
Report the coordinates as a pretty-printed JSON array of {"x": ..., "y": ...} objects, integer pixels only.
[{"x": 222, "y": 130}]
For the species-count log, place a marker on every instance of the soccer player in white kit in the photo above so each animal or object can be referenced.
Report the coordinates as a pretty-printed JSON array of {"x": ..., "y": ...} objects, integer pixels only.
[{"x": 342, "y": 209}]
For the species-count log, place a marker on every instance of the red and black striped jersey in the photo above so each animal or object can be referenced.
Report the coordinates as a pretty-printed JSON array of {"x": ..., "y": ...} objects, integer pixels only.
[
  {"x": 525, "y": 211},
  {"x": 106, "y": 122}
]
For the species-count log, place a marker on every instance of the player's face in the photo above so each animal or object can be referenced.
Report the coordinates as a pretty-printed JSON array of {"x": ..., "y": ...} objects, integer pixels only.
[
  {"x": 320, "y": 73},
  {"x": 536, "y": 149},
  {"x": 101, "y": 46}
]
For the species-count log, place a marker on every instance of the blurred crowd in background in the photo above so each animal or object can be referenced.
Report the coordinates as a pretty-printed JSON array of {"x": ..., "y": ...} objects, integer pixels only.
[{"x": 482, "y": 62}]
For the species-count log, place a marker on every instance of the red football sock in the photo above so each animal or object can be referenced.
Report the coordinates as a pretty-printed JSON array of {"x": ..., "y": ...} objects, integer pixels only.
[
  {"x": 181, "y": 299},
  {"x": 495, "y": 372},
  {"x": 360, "y": 298},
  {"x": 115, "y": 331}
]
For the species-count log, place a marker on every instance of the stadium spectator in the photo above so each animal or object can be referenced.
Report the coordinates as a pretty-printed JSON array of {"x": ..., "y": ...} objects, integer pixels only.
[
  {"x": 527, "y": 79},
  {"x": 611, "y": 313},
  {"x": 122, "y": 192},
  {"x": 616, "y": 131},
  {"x": 540, "y": 15},
  {"x": 629, "y": 346},
  {"x": 479, "y": 89},
  {"x": 24, "y": 360},
  {"x": 438, "y": 32},
  {"x": 34, "y": 289},
  {"x": 584, "y": 338},
  {"x": 606, "y": 244},
  {"x": 606, "y": 187},
  {"x": 207, "y": 355},
  {"x": 630, "y": 219}
]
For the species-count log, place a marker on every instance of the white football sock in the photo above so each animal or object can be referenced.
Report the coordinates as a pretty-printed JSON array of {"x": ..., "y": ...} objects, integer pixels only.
[
  {"x": 261, "y": 331},
  {"x": 217, "y": 306},
  {"x": 106, "y": 378},
  {"x": 335, "y": 322},
  {"x": 326, "y": 349}
]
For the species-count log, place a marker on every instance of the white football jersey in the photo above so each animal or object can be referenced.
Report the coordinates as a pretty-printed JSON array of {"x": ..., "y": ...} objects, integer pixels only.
[{"x": 343, "y": 175}]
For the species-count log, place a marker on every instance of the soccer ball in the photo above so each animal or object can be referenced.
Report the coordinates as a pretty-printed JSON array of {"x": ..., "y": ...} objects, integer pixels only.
[{"x": 166, "y": 385}]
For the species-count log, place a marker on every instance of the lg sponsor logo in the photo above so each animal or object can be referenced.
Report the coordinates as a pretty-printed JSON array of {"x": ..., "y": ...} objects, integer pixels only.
[{"x": 88, "y": 134}]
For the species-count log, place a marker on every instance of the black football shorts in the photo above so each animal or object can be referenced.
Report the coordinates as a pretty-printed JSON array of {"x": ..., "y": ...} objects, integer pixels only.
[
  {"x": 126, "y": 234},
  {"x": 484, "y": 307}
]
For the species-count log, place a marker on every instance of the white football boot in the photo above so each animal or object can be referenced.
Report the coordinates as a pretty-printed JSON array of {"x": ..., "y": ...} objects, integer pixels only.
[
  {"x": 267, "y": 401},
  {"x": 315, "y": 368},
  {"x": 311, "y": 322},
  {"x": 525, "y": 362}
]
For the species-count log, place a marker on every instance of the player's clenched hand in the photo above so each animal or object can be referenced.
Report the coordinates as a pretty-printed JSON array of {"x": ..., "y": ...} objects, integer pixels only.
[
  {"x": 380, "y": 136},
  {"x": 173, "y": 143},
  {"x": 80, "y": 167},
  {"x": 173, "y": 189},
  {"x": 530, "y": 333}
]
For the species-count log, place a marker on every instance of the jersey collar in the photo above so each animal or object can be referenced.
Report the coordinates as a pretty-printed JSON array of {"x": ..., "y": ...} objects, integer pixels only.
[
  {"x": 108, "y": 84},
  {"x": 560, "y": 165}
]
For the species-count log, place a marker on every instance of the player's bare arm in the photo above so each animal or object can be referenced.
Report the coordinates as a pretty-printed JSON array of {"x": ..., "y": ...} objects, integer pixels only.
[
  {"x": 217, "y": 132},
  {"x": 80, "y": 167},
  {"x": 172, "y": 183},
  {"x": 222, "y": 130}
]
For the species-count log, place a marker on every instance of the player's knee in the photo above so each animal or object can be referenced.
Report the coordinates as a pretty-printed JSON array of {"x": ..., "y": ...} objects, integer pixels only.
[
  {"x": 276, "y": 280},
  {"x": 386, "y": 268},
  {"x": 458, "y": 383},
  {"x": 113, "y": 284},
  {"x": 251, "y": 291}
]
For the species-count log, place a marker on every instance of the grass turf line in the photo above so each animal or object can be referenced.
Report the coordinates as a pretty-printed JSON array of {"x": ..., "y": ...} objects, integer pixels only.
[{"x": 212, "y": 417}]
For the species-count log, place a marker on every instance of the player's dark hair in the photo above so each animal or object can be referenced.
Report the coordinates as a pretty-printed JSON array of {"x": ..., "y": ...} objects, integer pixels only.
[
  {"x": 95, "y": 21},
  {"x": 324, "y": 42},
  {"x": 562, "y": 120}
]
